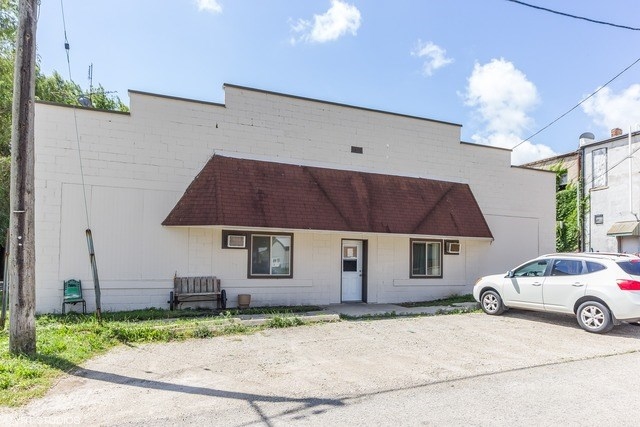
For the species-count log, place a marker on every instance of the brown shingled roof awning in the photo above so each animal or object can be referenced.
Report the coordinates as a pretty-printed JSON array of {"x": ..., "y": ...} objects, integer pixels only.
[{"x": 248, "y": 193}]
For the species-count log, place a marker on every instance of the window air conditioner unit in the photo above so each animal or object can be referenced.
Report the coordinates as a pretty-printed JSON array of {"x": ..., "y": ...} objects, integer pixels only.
[
  {"x": 236, "y": 241},
  {"x": 452, "y": 248}
]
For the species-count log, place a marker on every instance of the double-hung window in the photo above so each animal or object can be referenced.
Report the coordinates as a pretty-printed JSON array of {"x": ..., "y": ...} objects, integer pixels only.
[
  {"x": 426, "y": 258},
  {"x": 599, "y": 168},
  {"x": 271, "y": 255}
]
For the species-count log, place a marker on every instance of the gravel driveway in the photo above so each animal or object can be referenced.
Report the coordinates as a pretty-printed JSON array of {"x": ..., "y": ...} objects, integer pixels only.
[{"x": 401, "y": 371}]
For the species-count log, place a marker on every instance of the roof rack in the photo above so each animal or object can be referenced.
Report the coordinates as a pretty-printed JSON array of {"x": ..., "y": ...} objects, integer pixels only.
[{"x": 592, "y": 254}]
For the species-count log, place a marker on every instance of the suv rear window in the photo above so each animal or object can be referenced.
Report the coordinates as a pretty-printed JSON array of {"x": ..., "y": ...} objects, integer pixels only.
[{"x": 631, "y": 267}]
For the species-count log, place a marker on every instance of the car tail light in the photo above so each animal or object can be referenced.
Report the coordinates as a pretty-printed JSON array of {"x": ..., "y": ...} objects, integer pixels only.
[{"x": 628, "y": 285}]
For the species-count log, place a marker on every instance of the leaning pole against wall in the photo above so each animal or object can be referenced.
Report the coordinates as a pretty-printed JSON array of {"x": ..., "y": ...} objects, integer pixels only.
[{"x": 94, "y": 270}]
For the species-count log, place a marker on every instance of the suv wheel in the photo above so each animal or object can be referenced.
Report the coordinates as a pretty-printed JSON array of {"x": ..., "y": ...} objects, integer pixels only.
[
  {"x": 491, "y": 303},
  {"x": 594, "y": 317}
]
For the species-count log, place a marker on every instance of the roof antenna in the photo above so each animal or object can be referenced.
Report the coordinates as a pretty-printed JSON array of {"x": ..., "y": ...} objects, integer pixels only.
[{"x": 90, "y": 76}]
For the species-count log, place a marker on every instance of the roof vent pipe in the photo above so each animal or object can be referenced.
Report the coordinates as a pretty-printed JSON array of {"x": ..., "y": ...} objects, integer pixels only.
[{"x": 586, "y": 138}]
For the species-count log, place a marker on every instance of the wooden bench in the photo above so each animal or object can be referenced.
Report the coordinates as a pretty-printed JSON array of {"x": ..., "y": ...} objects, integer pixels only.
[{"x": 193, "y": 289}]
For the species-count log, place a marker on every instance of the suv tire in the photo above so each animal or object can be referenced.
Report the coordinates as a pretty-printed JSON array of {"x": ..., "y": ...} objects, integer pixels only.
[
  {"x": 595, "y": 317},
  {"x": 491, "y": 303}
]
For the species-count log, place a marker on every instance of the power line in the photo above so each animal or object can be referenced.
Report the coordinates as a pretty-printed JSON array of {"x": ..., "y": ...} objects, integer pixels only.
[
  {"x": 578, "y": 104},
  {"x": 89, "y": 236},
  {"x": 595, "y": 21},
  {"x": 75, "y": 117}
]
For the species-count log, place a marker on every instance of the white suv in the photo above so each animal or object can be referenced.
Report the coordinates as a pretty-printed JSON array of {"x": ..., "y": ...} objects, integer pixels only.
[{"x": 601, "y": 289}]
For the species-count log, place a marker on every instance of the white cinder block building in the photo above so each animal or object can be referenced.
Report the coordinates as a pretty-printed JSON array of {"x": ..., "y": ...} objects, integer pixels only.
[{"x": 328, "y": 202}]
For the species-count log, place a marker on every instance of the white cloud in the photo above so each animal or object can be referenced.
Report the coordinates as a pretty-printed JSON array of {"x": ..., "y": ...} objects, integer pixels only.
[
  {"x": 611, "y": 110},
  {"x": 503, "y": 97},
  {"x": 434, "y": 56},
  {"x": 340, "y": 19},
  {"x": 212, "y": 6}
]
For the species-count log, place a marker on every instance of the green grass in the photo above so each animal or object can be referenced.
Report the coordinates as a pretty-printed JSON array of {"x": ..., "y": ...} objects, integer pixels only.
[
  {"x": 453, "y": 299},
  {"x": 64, "y": 342},
  {"x": 157, "y": 314}
]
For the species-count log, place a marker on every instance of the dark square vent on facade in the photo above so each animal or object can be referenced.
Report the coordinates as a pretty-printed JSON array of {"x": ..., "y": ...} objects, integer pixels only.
[{"x": 357, "y": 150}]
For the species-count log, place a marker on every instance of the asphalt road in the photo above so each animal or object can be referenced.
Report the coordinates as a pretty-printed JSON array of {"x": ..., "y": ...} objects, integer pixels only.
[{"x": 471, "y": 369}]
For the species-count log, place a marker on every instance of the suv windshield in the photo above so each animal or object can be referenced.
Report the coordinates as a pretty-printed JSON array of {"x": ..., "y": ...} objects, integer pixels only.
[
  {"x": 631, "y": 267},
  {"x": 534, "y": 268}
]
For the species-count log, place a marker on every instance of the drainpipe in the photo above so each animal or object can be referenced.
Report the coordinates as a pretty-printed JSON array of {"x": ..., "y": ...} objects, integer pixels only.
[
  {"x": 585, "y": 139},
  {"x": 578, "y": 198},
  {"x": 630, "y": 178}
]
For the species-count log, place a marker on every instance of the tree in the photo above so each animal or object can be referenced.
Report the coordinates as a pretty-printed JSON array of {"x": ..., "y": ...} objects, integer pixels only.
[
  {"x": 8, "y": 21},
  {"x": 8, "y": 27},
  {"x": 55, "y": 88},
  {"x": 104, "y": 100},
  {"x": 52, "y": 88}
]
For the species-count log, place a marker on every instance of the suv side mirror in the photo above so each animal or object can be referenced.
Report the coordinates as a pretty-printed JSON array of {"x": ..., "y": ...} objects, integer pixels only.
[{"x": 509, "y": 274}]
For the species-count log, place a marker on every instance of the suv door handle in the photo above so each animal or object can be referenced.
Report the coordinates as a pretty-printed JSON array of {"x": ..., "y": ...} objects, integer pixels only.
[
  {"x": 578, "y": 284},
  {"x": 537, "y": 284}
]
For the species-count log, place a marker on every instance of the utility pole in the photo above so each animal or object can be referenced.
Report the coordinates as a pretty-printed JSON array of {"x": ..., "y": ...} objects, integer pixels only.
[{"x": 22, "y": 292}]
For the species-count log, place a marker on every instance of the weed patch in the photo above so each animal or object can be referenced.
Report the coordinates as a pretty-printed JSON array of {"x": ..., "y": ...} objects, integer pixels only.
[
  {"x": 284, "y": 322},
  {"x": 453, "y": 299},
  {"x": 388, "y": 315}
]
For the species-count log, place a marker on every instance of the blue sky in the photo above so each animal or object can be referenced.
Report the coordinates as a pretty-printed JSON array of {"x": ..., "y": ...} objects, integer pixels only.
[{"x": 501, "y": 70}]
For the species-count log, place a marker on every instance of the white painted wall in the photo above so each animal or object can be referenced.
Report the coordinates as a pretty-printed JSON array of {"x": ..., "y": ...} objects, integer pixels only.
[
  {"x": 612, "y": 201},
  {"x": 137, "y": 166}
]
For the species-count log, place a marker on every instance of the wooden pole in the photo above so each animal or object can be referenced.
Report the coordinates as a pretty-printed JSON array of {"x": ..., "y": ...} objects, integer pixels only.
[{"x": 22, "y": 291}]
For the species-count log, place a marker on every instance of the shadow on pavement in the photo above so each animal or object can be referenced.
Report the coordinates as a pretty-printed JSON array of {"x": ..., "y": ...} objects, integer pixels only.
[
  {"x": 252, "y": 399},
  {"x": 625, "y": 330}
]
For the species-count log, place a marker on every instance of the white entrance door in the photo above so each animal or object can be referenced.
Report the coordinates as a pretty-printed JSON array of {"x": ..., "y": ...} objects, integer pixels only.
[{"x": 352, "y": 270}]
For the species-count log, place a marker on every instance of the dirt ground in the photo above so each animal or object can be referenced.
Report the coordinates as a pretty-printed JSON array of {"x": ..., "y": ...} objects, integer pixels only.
[{"x": 317, "y": 374}]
